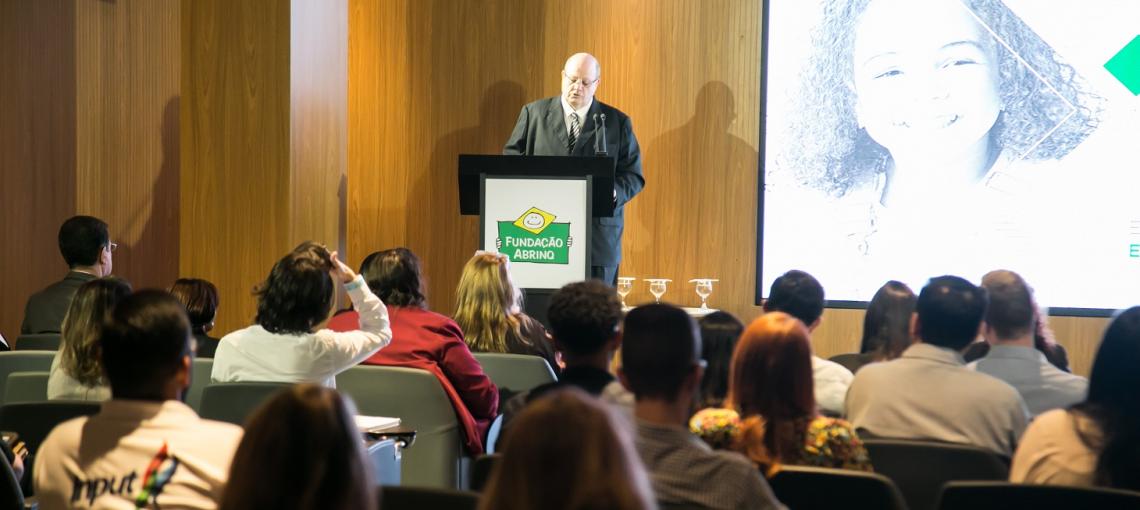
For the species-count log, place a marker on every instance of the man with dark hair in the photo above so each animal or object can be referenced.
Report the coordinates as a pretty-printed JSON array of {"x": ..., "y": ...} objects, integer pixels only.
[
  {"x": 800, "y": 295},
  {"x": 144, "y": 447},
  {"x": 661, "y": 365},
  {"x": 929, "y": 393},
  {"x": 1010, "y": 323},
  {"x": 86, "y": 247}
]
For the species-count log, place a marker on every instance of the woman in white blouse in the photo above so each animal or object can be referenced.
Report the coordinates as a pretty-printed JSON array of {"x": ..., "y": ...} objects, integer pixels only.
[{"x": 77, "y": 369}]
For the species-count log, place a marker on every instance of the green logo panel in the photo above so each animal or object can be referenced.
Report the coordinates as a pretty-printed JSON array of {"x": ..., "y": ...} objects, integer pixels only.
[{"x": 551, "y": 246}]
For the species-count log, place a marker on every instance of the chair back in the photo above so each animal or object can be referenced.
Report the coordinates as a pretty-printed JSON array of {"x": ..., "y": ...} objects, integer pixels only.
[
  {"x": 921, "y": 468},
  {"x": 38, "y": 342},
  {"x": 437, "y": 457},
  {"x": 199, "y": 379},
  {"x": 515, "y": 372},
  {"x": 1004, "y": 495},
  {"x": 850, "y": 360},
  {"x": 422, "y": 498},
  {"x": 33, "y": 420},
  {"x": 26, "y": 387},
  {"x": 481, "y": 469},
  {"x": 233, "y": 402},
  {"x": 816, "y": 487},
  {"x": 22, "y": 361}
]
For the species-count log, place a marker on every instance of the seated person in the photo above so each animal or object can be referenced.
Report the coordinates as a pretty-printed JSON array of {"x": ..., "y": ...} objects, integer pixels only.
[
  {"x": 1096, "y": 442},
  {"x": 1043, "y": 340},
  {"x": 568, "y": 452},
  {"x": 661, "y": 365},
  {"x": 301, "y": 450},
  {"x": 426, "y": 340},
  {"x": 929, "y": 393},
  {"x": 76, "y": 370},
  {"x": 1010, "y": 321},
  {"x": 800, "y": 295},
  {"x": 771, "y": 416},
  {"x": 584, "y": 317},
  {"x": 488, "y": 308},
  {"x": 719, "y": 334},
  {"x": 201, "y": 300},
  {"x": 886, "y": 326},
  {"x": 86, "y": 247},
  {"x": 144, "y": 448},
  {"x": 289, "y": 342}
]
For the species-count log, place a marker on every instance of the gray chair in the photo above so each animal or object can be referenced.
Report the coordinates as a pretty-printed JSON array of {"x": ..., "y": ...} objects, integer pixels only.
[
  {"x": 425, "y": 498},
  {"x": 437, "y": 458},
  {"x": 1004, "y": 495},
  {"x": 37, "y": 342},
  {"x": 33, "y": 420},
  {"x": 26, "y": 387},
  {"x": 233, "y": 402},
  {"x": 22, "y": 361},
  {"x": 515, "y": 372},
  {"x": 199, "y": 379},
  {"x": 815, "y": 487},
  {"x": 481, "y": 469},
  {"x": 921, "y": 468}
]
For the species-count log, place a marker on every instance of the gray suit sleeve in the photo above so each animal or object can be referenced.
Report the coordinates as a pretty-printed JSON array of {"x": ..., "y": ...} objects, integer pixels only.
[{"x": 516, "y": 144}]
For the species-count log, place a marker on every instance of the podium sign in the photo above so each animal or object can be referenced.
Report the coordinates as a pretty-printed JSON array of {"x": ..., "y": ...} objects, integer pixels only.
[{"x": 541, "y": 224}]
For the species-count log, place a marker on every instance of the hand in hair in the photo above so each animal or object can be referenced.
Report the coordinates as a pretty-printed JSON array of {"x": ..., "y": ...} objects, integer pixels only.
[{"x": 340, "y": 271}]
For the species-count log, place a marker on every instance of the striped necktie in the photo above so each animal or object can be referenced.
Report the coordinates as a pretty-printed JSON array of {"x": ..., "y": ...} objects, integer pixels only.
[{"x": 574, "y": 126}]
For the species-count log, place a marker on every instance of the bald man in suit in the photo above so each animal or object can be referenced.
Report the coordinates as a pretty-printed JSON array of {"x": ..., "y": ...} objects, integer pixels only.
[{"x": 567, "y": 125}]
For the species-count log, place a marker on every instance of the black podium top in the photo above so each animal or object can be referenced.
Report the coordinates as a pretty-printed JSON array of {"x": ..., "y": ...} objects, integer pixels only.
[{"x": 473, "y": 166}]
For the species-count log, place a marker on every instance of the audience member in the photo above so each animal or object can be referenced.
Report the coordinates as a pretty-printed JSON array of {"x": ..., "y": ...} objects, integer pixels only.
[
  {"x": 800, "y": 295},
  {"x": 661, "y": 365},
  {"x": 289, "y": 343},
  {"x": 301, "y": 450},
  {"x": 1096, "y": 442},
  {"x": 76, "y": 370},
  {"x": 488, "y": 307},
  {"x": 1043, "y": 341},
  {"x": 201, "y": 300},
  {"x": 719, "y": 333},
  {"x": 929, "y": 393},
  {"x": 886, "y": 326},
  {"x": 86, "y": 247},
  {"x": 426, "y": 340},
  {"x": 145, "y": 448},
  {"x": 1009, "y": 326},
  {"x": 584, "y": 317},
  {"x": 773, "y": 418},
  {"x": 568, "y": 452}
]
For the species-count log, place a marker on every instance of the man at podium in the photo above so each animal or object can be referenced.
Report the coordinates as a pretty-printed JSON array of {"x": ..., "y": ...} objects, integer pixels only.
[{"x": 573, "y": 124}]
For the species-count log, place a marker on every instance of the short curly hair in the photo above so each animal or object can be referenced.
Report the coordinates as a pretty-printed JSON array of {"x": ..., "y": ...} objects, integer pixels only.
[
  {"x": 584, "y": 316},
  {"x": 298, "y": 294},
  {"x": 833, "y": 154}
]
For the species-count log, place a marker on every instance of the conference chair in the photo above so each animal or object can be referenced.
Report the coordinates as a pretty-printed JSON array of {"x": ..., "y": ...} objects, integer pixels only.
[
  {"x": 921, "y": 468},
  {"x": 848, "y": 360},
  {"x": 515, "y": 372},
  {"x": 422, "y": 498},
  {"x": 1004, "y": 495},
  {"x": 481, "y": 469},
  {"x": 816, "y": 487},
  {"x": 437, "y": 458},
  {"x": 37, "y": 342},
  {"x": 26, "y": 387},
  {"x": 199, "y": 379},
  {"x": 33, "y": 420},
  {"x": 233, "y": 402},
  {"x": 22, "y": 361}
]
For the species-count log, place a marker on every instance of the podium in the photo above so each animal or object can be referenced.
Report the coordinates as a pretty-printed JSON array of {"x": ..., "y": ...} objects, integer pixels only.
[{"x": 538, "y": 211}]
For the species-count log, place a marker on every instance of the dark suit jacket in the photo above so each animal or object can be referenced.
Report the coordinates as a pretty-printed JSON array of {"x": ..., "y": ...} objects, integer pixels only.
[
  {"x": 46, "y": 308},
  {"x": 541, "y": 131}
]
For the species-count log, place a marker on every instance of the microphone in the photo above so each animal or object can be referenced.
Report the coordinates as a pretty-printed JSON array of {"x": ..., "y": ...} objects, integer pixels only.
[{"x": 600, "y": 136}]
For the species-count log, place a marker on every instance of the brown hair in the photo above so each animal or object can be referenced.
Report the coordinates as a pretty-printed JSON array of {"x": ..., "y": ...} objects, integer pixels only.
[
  {"x": 770, "y": 386},
  {"x": 201, "y": 300},
  {"x": 81, "y": 352},
  {"x": 487, "y": 304},
  {"x": 301, "y": 450},
  {"x": 1010, "y": 312},
  {"x": 566, "y": 451}
]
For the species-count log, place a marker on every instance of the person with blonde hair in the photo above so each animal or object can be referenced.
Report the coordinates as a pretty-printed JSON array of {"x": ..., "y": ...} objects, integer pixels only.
[
  {"x": 488, "y": 308},
  {"x": 76, "y": 370},
  {"x": 568, "y": 452}
]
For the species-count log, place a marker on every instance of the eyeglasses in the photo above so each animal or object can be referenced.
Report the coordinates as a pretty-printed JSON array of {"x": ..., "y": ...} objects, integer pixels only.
[
  {"x": 112, "y": 246},
  {"x": 582, "y": 81}
]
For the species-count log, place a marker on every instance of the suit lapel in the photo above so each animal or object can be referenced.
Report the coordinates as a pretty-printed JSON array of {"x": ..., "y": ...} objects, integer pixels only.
[{"x": 556, "y": 123}]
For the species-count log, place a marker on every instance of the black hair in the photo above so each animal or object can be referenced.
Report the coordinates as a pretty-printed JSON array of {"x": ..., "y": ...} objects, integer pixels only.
[
  {"x": 719, "y": 333},
  {"x": 660, "y": 345},
  {"x": 798, "y": 294},
  {"x": 298, "y": 294},
  {"x": 81, "y": 238},
  {"x": 1011, "y": 311},
  {"x": 144, "y": 341},
  {"x": 886, "y": 326},
  {"x": 950, "y": 310},
  {"x": 200, "y": 297},
  {"x": 395, "y": 277},
  {"x": 1114, "y": 404},
  {"x": 584, "y": 316}
]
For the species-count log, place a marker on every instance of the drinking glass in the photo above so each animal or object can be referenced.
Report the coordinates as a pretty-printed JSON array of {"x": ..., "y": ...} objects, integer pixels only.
[
  {"x": 704, "y": 290},
  {"x": 657, "y": 287},
  {"x": 624, "y": 286}
]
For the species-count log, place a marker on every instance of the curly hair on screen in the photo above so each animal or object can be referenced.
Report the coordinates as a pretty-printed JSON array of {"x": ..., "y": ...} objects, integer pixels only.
[
  {"x": 298, "y": 294},
  {"x": 834, "y": 154}
]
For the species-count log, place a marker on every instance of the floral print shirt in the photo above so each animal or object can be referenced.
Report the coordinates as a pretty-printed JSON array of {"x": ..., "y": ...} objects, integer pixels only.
[{"x": 827, "y": 442}]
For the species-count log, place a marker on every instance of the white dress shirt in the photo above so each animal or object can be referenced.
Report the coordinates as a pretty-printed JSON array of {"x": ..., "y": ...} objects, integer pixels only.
[
  {"x": 567, "y": 110},
  {"x": 831, "y": 381},
  {"x": 1042, "y": 385}
]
